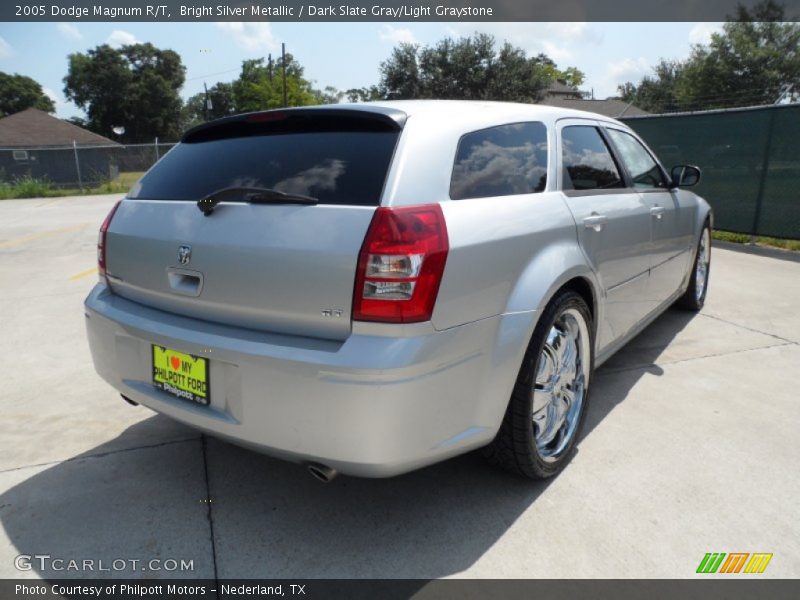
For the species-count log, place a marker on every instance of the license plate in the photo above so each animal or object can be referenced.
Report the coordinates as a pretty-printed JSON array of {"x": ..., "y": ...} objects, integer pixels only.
[{"x": 182, "y": 375}]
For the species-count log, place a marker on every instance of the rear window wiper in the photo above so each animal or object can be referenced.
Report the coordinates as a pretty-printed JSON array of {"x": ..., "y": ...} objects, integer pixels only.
[{"x": 253, "y": 195}]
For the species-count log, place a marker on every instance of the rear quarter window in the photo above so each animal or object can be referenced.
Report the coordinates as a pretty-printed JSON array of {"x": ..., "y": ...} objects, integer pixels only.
[
  {"x": 500, "y": 161},
  {"x": 336, "y": 167}
]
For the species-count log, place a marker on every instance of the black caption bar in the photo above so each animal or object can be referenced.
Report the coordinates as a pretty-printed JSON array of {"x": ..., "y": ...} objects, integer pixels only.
[
  {"x": 398, "y": 589},
  {"x": 381, "y": 10}
]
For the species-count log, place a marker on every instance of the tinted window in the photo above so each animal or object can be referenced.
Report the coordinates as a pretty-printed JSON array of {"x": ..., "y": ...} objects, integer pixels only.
[
  {"x": 644, "y": 171},
  {"x": 588, "y": 164},
  {"x": 337, "y": 167},
  {"x": 501, "y": 161}
]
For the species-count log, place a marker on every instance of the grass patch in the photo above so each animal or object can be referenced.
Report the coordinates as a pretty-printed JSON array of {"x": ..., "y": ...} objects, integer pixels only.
[
  {"x": 29, "y": 187},
  {"x": 729, "y": 236},
  {"x": 26, "y": 187},
  {"x": 743, "y": 238}
]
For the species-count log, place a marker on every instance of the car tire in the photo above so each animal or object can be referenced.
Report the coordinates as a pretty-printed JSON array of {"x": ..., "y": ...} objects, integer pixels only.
[
  {"x": 546, "y": 411},
  {"x": 695, "y": 295}
]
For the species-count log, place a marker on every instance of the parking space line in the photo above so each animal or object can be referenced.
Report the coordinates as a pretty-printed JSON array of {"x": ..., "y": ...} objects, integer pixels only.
[
  {"x": 37, "y": 236},
  {"x": 83, "y": 274}
]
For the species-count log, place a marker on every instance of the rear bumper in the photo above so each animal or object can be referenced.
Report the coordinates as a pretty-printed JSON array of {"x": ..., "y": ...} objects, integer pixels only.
[{"x": 374, "y": 405}]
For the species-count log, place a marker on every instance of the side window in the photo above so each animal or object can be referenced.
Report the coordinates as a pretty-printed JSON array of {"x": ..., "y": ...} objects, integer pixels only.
[
  {"x": 644, "y": 171},
  {"x": 500, "y": 161},
  {"x": 588, "y": 164}
]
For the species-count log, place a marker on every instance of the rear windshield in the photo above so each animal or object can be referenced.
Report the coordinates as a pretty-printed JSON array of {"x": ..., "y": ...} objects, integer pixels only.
[{"x": 336, "y": 167}]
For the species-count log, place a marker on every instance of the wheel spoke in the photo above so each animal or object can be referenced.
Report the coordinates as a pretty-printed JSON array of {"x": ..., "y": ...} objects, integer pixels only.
[
  {"x": 559, "y": 347},
  {"x": 701, "y": 270},
  {"x": 569, "y": 397},
  {"x": 541, "y": 400}
]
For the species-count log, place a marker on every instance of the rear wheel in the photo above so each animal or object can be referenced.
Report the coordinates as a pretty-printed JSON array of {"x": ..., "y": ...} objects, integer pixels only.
[
  {"x": 695, "y": 296},
  {"x": 547, "y": 407}
]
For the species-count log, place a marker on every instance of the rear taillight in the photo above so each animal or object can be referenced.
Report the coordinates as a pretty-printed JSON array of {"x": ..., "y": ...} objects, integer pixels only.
[
  {"x": 401, "y": 265},
  {"x": 101, "y": 240}
]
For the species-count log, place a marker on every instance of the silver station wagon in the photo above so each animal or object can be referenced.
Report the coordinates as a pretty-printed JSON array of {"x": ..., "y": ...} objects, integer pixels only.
[{"x": 367, "y": 289}]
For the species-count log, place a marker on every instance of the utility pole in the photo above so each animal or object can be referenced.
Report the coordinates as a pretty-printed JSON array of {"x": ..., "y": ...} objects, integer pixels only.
[
  {"x": 283, "y": 65},
  {"x": 207, "y": 104},
  {"x": 269, "y": 67}
]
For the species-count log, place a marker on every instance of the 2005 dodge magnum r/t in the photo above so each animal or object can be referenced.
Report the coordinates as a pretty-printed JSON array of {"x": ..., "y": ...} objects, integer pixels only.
[{"x": 372, "y": 288}]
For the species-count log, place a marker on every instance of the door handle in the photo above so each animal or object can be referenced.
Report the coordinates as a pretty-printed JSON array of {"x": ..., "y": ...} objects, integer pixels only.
[
  {"x": 595, "y": 222},
  {"x": 657, "y": 211}
]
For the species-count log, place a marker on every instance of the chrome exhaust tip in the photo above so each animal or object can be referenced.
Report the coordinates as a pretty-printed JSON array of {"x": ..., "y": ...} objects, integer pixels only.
[{"x": 321, "y": 472}]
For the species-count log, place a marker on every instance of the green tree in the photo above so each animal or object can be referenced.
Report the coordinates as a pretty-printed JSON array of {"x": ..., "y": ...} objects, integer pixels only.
[
  {"x": 572, "y": 76},
  {"x": 136, "y": 86},
  {"x": 659, "y": 92},
  {"x": 400, "y": 77},
  {"x": 363, "y": 94},
  {"x": 260, "y": 85},
  {"x": 196, "y": 109},
  {"x": 753, "y": 60},
  {"x": 469, "y": 68},
  {"x": 18, "y": 92},
  {"x": 329, "y": 95}
]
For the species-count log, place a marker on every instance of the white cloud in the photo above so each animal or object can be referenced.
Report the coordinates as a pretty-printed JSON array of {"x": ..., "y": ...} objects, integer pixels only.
[
  {"x": 5, "y": 48},
  {"x": 69, "y": 31},
  {"x": 119, "y": 38},
  {"x": 560, "y": 41},
  {"x": 397, "y": 35},
  {"x": 628, "y": 68},
  {"x": 559, "y": 54},
  {"x": 255, "y": 36},
  {"x": 619, "y": 72},
  {"x": 701, "y": 32},
  {"x": 575, "y": 32},
  {"x": 53, "y": 95},
  {"x": 567, "y": 29}
]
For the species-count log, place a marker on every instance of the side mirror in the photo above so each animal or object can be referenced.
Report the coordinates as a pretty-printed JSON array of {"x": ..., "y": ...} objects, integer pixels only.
[{"x": 685, "y": 175}]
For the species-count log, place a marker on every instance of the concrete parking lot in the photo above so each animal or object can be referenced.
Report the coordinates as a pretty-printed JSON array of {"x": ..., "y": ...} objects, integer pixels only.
[{"x": 691, "y": 447}]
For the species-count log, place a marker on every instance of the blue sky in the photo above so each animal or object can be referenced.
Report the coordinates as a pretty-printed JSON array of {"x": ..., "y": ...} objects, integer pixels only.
[{"x": 343, "y": 55}]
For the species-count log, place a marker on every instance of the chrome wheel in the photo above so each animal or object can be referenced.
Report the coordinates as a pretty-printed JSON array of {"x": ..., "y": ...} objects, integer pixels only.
[
  {"x": 703, "y": 259},
  {"x": 560, "y": 386}
]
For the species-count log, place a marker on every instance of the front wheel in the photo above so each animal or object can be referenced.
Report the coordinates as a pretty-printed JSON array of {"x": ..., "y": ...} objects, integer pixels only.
[
  {"x": 547, "y": 407},
  {"x": 695, "y": 296}
]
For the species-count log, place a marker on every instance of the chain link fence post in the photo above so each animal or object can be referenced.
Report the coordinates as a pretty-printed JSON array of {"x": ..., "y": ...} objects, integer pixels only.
[{"x": 77, "y": 164}]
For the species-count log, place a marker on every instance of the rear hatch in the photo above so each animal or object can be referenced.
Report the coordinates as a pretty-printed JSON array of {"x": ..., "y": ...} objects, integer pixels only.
[{"x": 275, "y": 265}]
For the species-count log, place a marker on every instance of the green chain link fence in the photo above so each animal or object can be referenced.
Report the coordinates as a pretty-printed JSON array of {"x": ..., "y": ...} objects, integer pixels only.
[{"x": 750, "y": 160}]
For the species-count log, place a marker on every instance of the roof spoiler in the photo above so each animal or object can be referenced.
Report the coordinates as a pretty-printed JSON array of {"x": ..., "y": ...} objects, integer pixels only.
[{"x": 298, "y": 120}]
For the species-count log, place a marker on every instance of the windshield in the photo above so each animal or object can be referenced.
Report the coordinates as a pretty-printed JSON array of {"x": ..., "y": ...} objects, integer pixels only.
[{"x": 336, "y": 167}]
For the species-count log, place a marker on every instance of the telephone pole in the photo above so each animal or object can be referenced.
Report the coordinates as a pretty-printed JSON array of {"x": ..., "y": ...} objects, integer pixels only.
[
  {"x": 283, "y": 67},
  {"x": 207, "y": 104}
]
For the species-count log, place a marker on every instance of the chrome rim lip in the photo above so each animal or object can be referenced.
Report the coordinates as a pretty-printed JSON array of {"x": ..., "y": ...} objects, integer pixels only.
[
  {"x": 560, "y": 384},
  {"x": 703, "y": 260}
]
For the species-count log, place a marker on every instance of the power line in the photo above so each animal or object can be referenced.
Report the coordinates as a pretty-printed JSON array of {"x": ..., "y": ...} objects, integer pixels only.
[{"x": 212, "y": 74}]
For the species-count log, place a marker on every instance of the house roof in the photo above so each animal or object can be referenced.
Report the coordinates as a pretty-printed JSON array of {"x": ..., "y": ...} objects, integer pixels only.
[
  {"x": 559, "y": 88},
  {"x": 610, "y": 107},
  {"x": 36, "y": 128}
]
